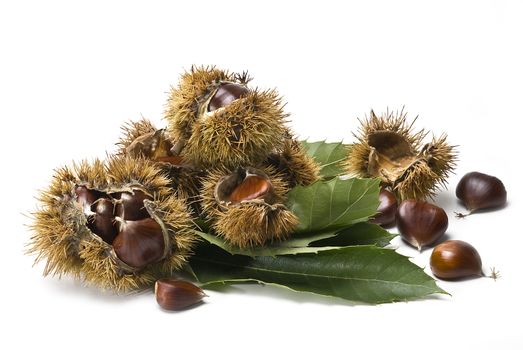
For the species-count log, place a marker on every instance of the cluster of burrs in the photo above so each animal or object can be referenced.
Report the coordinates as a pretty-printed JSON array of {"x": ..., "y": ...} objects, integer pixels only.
[{"x": 226, "y": 155}]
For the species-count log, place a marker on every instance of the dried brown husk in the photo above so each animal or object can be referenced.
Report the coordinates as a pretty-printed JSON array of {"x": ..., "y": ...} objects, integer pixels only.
[
  {"x": 62, "y": 238},
  {"x": 388, "y": 148},
  {"x": 249, "y": 223}
]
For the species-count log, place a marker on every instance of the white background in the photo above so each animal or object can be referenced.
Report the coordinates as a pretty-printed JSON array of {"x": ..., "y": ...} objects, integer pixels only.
[{"x": 72, "y": 72}]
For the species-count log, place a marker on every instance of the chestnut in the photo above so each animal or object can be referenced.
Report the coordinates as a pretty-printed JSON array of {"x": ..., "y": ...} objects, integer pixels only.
[
  {"x": 421, "y": 223},
  {"x": 139, "y": 243},
  {"x": 174, "y": 160},
  {"x": 252, "y": 187},
  {"x": 245, "y": 184},
  {"x": 480, "y": 191},
  {"x": 386, "y": 212},
  {"x": 172, "y": 294},
  {"x": 130, "y": 205},
  {"x": 86, "y": 197},
  {"x": 226, "y": 94},
  {"x": 102, "y": 222},
  {"x": 455, "y": 259}
]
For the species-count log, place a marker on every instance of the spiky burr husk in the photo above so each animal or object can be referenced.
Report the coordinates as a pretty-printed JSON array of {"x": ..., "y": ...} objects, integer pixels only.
[
  {"x": 62, "y": 235},
  {"x": 133, "y": 131},
  {"x": 255, "y": 224},
  {"x": 245, "y": 131},
  {"x": 294, "y": 163},
  {"x": 143, "y": 140},
  {"x": 388, "y": 148},
  {"x": 193, "y": 90},
  {"x": 248, "y": 223}
]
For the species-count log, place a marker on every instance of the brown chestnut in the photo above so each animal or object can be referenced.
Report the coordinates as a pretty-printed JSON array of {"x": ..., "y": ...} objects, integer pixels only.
[
  {"x": 102, "y": 222},
  {"x": 172, "y": 294},
  {"x": 174, "y": 160},
  {"x": 86, "y": 197},
  {"x": 480, "y": 191},
  {"x": 252, "y": 187},
  {"x": 245, "y": 184},
  {"x": 226, "y": 94},
  {"x": 139, "y": 243},
  {"x": 386, "y": 212},
  {"x": 131, "y": 207},
  {"x": 421, "y": 223},
  {"x": 455, "y": 259}
]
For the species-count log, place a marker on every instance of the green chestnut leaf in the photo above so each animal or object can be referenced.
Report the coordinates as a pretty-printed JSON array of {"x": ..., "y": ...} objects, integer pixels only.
[
  {"x": 360, "y": 234},
  {"x": 269, "y": 250},
  {"x": 367, "y": 274},
  {"x": 363, "y": 233},
  {"x": 334, "y": 204},
  {"x": 328, "y": 155}
]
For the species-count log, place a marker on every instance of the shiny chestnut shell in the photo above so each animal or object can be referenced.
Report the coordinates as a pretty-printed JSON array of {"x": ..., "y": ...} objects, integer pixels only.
[
  {"x": 102, "y": 222},
  {"x": 172, "y": 294},
  {"x": 481, "y": 191},
  {"x": 421, "y": 223},
  {"x": 252, "y": 187},
  {"x": 139, "y": 243},
  {"x": 130, "y": 205},
  {"x": 245, "y": 184},
  {"x": 86, "y": 197},
  {"x": 386, "y": 212},
  {"x": 455, "y": 259},
  {"x": 226, "y": 94}
]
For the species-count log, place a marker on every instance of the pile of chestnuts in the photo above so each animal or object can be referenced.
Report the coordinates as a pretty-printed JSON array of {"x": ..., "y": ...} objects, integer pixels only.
[{"x": 423, "y": 224}]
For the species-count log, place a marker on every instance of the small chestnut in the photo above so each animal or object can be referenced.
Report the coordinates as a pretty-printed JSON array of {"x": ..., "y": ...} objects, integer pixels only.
[
  {"x": 131, "y": 207},
  {"x": 252, "y": 187},
  {"x": 421, "y": 223},
  {"x": 245, "y": 184},
  {"x": 455, "y": 259},
  {"x": 102, "y": 222},
  {"x": 139, "y": 243},
  {"x": 386, "y": 212},
  {"x": 226, "y": 94},
  {"x": 480, "y": 191},
  {"x": 86, "y": 197},
  {"x": 174, "y": 160},
  {"x": 172, "y": 294}
]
